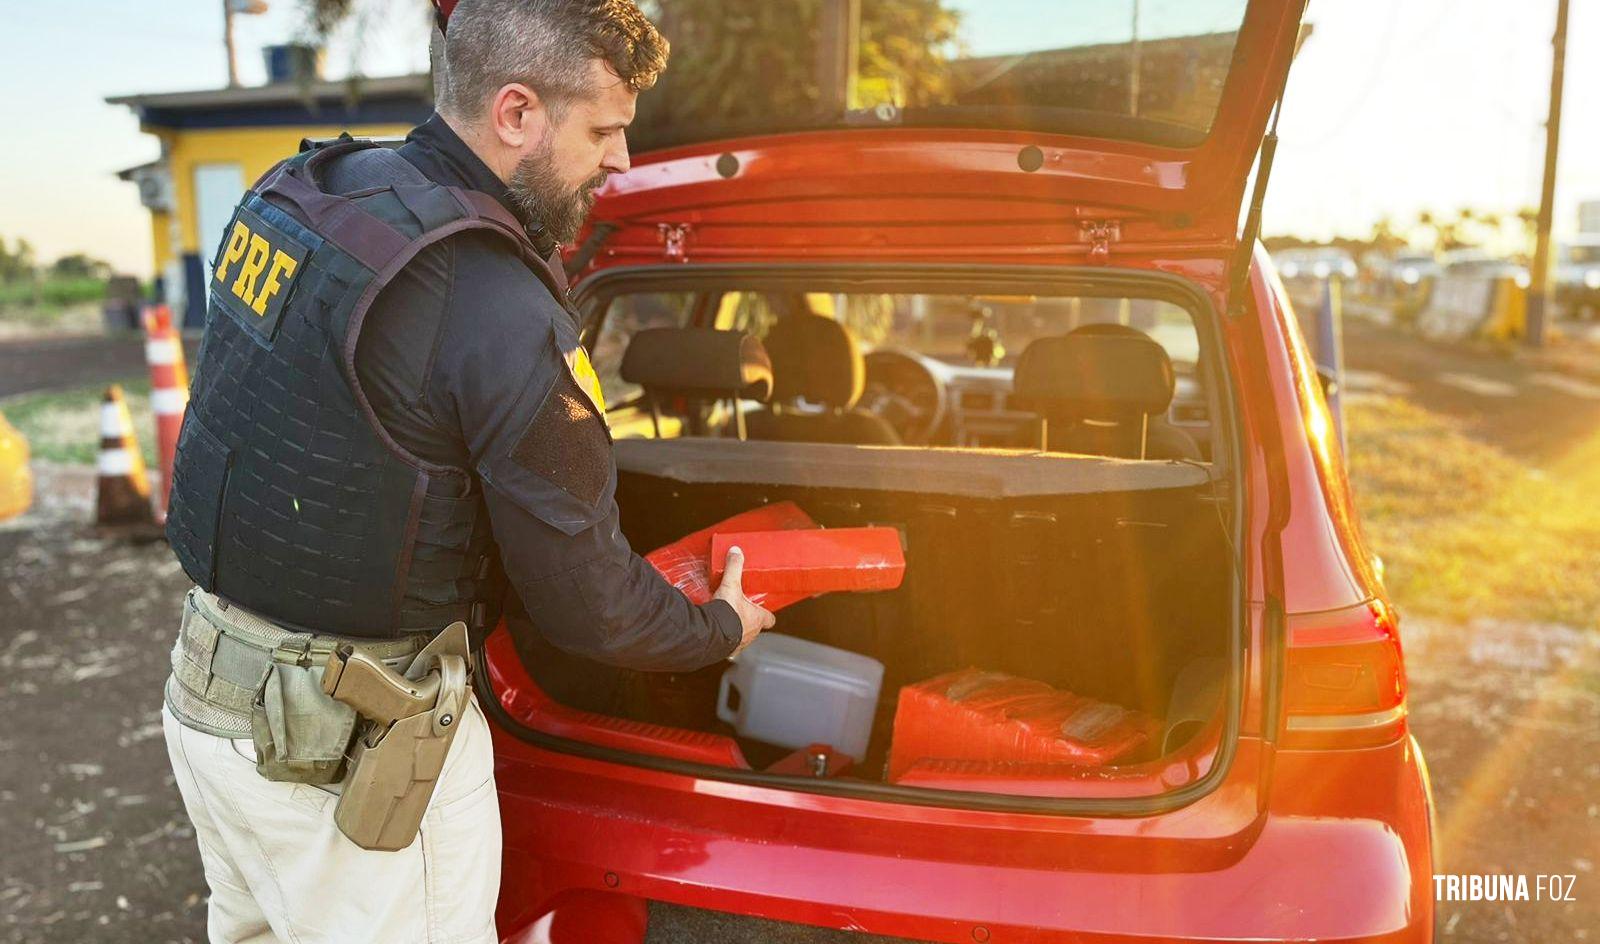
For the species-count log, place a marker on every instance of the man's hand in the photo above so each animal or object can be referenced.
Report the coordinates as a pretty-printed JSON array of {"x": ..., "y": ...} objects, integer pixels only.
[{"x": 752, "y": 618}]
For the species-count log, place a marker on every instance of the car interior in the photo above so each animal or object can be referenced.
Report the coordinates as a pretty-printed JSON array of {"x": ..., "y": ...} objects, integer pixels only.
[{"x": 1051, "y": 503}]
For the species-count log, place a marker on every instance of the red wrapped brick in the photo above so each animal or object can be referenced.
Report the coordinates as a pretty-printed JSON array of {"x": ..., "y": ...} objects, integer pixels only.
[
  {"x": 686, "y": 562},
  {"x": 814, "y": 561},
  {"x": 991, "y": 716}
]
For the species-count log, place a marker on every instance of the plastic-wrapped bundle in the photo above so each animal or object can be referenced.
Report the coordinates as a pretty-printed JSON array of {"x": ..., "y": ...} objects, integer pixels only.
[
  {"x": 686, "y": 562},
  {"x": 819, "y": 560},
  {"x": 991, "y": 716}
]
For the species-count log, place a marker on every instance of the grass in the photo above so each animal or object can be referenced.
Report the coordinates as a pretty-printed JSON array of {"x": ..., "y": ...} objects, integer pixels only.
[
  {"x": 64, "y": 425},
  {"x": 51, "y": 293},
  {"x": 53, "y": 305},
  {"x": 1466, "y": 530}
]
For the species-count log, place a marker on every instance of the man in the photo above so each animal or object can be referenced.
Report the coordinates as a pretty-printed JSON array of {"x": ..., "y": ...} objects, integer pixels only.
[{"x": 391, "y": 420}]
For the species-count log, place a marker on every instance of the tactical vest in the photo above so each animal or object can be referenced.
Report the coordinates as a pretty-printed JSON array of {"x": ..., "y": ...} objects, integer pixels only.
[{"x": 289, "y": 498}]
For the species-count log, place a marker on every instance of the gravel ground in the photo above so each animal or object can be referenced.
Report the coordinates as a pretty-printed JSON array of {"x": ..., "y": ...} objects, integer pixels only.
[{"x": 97, "y": 845}]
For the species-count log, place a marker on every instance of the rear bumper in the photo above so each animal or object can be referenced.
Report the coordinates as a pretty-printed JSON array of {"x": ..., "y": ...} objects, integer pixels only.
[{"x": 1341, "y": 853}]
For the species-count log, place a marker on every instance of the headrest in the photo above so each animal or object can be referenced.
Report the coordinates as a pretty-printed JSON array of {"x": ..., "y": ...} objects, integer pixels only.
[
  {"x": 698, "y": 362},
  {"x": 816, "y": 358},
  {"x": 1101, "y": 371}
]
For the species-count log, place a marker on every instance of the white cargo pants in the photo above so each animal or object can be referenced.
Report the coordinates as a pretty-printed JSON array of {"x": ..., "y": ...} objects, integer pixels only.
[{"x": 280, "y": 870}]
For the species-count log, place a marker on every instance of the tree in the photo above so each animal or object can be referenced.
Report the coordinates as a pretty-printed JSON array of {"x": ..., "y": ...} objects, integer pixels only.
[
  {"x": 80, "y": 266},
  {"x": 17, "y": 264},
  {"x": 721, "y": 45},
  {"x": 1385, "y": 237}
]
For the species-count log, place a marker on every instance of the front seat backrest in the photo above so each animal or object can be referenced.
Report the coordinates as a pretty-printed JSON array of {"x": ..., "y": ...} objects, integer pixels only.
[
  {"x": 817, "y": 360},
  {"x": 699, "y": 364},
  {"x": 1102, "y": 390}
]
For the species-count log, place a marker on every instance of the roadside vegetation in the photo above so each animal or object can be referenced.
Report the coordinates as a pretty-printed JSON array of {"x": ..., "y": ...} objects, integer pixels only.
[
  {"x": 64, "y": 295},
  {"x": 1466, "y": 531},
  {"x": 64, "y": 425}
]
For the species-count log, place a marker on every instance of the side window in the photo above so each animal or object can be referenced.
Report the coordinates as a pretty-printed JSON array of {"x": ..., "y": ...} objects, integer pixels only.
[{"x": 625, "y": 316}]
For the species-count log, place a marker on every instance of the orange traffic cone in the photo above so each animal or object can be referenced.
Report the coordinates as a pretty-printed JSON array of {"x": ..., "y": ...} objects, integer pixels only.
[
  {"x": 123, "y": 503},
  {"x": 169, "y": 392}
]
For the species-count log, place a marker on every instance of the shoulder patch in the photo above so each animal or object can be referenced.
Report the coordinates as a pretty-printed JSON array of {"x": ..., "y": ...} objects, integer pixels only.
[
  {"x": 255, "y": 271},
  {"x": 567, "y": 444}
]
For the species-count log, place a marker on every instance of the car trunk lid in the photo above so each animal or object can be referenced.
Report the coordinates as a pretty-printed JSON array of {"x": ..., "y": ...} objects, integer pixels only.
[{"x": 1082, "y": 142}]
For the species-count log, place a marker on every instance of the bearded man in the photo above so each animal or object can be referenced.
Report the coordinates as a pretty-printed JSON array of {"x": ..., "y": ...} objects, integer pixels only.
[{"x": 393, "y": 424}]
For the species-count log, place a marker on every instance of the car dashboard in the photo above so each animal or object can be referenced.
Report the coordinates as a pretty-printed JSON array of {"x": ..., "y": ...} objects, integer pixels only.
[{"x": 974, "y": 403}]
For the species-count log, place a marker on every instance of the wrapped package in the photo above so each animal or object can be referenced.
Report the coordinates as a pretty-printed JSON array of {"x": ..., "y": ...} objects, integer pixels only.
[
  {"x": 814, "y": 561},
  {"x": 686, "y": 562},
  {"x": 974, "y": 715}
]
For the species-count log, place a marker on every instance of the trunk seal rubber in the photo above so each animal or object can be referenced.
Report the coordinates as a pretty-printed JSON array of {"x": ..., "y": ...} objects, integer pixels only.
[{"x": 1101, "y": 282}]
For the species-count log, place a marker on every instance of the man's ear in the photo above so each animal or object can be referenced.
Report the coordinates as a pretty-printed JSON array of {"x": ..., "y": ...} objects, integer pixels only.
[{"x": 517, "y": 116}]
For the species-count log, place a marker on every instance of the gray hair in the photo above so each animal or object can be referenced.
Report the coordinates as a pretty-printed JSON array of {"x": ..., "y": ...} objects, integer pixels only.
[{"x": 545, "y": 45}]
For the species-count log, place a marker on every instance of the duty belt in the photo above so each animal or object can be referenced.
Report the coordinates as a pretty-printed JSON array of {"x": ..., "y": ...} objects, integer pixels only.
[{"x": 223, "y": 653}]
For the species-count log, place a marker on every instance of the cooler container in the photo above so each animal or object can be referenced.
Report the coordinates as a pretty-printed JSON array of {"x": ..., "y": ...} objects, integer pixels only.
[
  {"x": 974, "y": 715},
  {"x": 794, "y": 693}
]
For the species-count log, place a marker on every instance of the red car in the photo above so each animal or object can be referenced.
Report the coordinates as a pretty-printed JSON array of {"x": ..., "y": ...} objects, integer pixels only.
[{"x": 1010, "y": 310}]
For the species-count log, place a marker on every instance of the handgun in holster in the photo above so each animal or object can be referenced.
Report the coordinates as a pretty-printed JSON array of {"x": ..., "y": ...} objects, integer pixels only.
[{"x": 409, "y": 721}]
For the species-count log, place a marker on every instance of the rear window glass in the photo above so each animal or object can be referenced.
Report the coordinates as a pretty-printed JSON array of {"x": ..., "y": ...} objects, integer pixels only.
[
  {"x": 1150, "y": 70},
  {"x": 983, "y": 331},
  {"x": 935, "y": 369}
]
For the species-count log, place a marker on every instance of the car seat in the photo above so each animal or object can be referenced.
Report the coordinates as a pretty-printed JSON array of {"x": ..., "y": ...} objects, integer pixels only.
[
  {"x": 818, "y": 374},
  {"x": 1102, "y": 389},
  {"x": 698, "y": 364}
]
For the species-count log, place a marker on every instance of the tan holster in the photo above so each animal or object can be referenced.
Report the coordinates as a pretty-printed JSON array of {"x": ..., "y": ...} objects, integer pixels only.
[{"x": 407, "y": 723}]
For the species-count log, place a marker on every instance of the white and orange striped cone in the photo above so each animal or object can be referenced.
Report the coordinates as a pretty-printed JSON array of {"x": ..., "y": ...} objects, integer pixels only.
[
  {"x": 123, "y": 503},
  {"x": 169, "y": 392}
]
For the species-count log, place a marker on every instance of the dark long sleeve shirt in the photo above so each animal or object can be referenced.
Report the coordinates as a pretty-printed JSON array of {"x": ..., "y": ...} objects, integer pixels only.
[{"x": 466, "y": 357}]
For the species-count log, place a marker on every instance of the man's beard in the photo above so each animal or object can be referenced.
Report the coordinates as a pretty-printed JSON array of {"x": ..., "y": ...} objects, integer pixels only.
[{"x": 545, "y": 199}]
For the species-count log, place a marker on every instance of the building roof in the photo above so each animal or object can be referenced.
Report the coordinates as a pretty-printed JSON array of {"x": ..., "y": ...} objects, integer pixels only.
[
  {"x": 402, "y": 99},
  {"x": 132, "y": 173}
]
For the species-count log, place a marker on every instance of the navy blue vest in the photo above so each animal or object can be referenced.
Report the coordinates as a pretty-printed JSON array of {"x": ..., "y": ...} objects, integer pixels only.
[{"x": 288, "y": 496}]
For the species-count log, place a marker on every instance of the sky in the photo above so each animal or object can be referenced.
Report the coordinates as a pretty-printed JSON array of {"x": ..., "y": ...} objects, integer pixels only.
[{"x": 1393, "y": 106}]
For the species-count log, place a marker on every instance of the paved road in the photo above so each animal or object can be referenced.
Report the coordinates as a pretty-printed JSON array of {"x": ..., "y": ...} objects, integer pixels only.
[{"x": 55, "y": 363}]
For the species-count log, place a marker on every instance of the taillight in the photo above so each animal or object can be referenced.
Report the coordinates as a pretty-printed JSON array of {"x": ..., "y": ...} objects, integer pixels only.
[{"x": 1344, "y": 684}]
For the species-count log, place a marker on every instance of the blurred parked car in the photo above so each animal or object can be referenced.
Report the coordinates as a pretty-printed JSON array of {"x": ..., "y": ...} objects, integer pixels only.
[
  {"x": 1317, "y": 262},
  {"x": 1577, "y": 277},
  {"x": 1411, "y": 269},
  {"x": 1482, "y": 263}
]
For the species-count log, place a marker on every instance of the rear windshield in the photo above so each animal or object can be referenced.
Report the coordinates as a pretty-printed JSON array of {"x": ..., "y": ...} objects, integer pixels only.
[
  {"x": 1149, "y": 70},
  {"x": 939, "y": 367}
]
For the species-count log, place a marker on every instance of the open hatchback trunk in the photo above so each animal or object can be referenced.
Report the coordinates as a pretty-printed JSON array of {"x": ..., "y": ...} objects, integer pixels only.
[
  {"x": 1070, "y": 610},
  {"x": 1033, "y": 195}
]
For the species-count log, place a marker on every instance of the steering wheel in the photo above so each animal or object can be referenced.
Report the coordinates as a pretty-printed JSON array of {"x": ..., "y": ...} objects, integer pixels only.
[{"x": 905, "y": 390}]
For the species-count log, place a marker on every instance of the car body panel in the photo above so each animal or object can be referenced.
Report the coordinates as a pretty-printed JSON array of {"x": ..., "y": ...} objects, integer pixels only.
[{"x": 1341, "y": 853}]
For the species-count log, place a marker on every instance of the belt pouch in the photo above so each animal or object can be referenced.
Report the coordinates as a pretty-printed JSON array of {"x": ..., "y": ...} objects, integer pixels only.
[{"x": 300, "y": 733}]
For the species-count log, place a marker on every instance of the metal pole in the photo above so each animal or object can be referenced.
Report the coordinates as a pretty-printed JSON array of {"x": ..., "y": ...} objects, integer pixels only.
[
  {"x": 227, "y": 41},
  {"x": 1330, "y": 349},
  {"x": 1134, "y": 64},
  {"x": 838, "y": 55},
  {"x": 1539, "y": 282}
]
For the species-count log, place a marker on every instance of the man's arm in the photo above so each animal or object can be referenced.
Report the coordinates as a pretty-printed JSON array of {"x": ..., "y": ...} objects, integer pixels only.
[{"x": 544, "y": 456}]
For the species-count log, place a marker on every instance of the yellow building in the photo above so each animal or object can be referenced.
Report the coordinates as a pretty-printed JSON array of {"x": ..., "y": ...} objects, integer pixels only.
[{"x": 216, "y": 143}]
